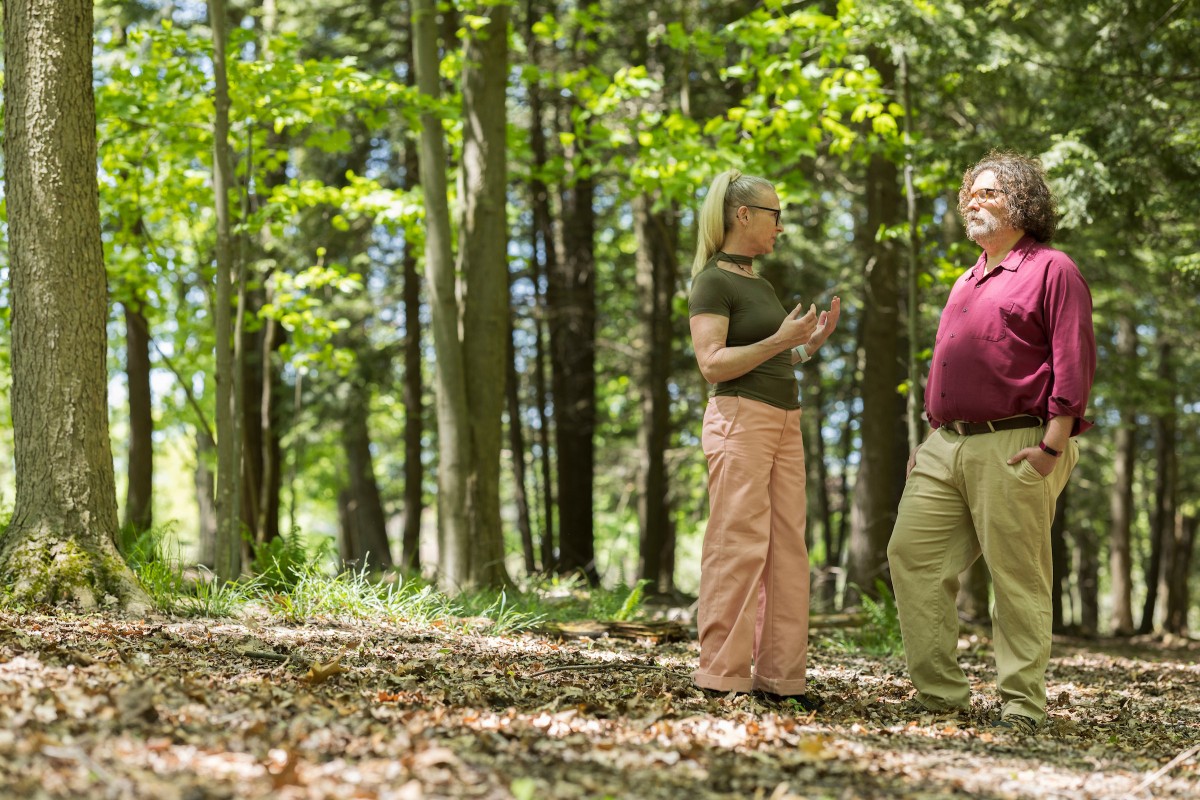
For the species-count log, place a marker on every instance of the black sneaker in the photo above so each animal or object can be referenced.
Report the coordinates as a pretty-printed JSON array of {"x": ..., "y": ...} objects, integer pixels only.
[
  {"x": 1016, "y": 723},
  {"x": 805, "y": 702}
]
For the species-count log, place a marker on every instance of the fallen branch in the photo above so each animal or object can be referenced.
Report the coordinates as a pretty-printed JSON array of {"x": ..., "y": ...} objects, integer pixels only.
[{"x": 609, "y": 666}]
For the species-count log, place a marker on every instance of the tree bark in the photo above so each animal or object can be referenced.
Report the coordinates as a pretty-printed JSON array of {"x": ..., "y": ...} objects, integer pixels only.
[
  {"x": 471, "y": 545},
  {"x": 483, "y": 261},
  {"x": 369, "y": 546},
  {"x": 1183, "y": 542},
  {"x": 571, "y": 303},
  {"x": 229, "y": 539},
  {"x": 1121, "y": 495},
  {"x": 881, "y": 469},
  {"x": 59, "y": 547},
  {"x": 516, "y": 445},
  {"x": 1061, "y": 564},
  {"x": 656, "y": 273},
  {"x": 1088, "y": 559},
  {"x": 1162, "y": 519},
  {"x": 139, "y": 495},
  {"x": 544, "y": 262},
  {"x": 206, "y": 510},
  {"x": 414, "y": 407}
]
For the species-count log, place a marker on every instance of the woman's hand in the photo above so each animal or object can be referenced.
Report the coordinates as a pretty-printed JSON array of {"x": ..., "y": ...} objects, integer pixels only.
[
  {"x": 795, "y": 329},
  {"x": 826, "y": 323}
]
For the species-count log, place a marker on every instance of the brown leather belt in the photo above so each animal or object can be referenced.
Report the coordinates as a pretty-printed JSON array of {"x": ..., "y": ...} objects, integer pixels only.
[{"x": 1007, "y": 424}]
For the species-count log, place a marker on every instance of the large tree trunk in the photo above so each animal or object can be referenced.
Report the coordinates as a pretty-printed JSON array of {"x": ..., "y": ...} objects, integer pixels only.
[
  {"x": 229, "y": 539},
  {"x": 1121, "y": 495},
  {"x": 881, "y": 469},
  {"x": 483, "y": 261},
  {"x": 1162, "y": 521},
  {"x": 657, "y": 268},
  {"x": 471, "y": 545},
  {"x": 60, "y": 545},
  {"x": 139, "y": 495}
]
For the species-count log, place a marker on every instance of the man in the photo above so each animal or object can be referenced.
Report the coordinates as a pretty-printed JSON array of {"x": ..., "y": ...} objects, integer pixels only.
[{"x": 1012, "y": 367}]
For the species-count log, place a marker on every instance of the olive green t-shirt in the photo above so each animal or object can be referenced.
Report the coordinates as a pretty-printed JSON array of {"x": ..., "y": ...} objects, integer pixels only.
[{"x": 754, "y": 313}]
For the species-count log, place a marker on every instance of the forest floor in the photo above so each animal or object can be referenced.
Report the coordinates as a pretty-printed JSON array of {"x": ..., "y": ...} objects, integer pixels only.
[{"x": 175, "y": 709}]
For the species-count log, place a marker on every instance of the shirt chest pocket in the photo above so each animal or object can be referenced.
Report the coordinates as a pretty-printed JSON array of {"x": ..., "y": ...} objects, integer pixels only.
[{"x": 993, "y": 324}]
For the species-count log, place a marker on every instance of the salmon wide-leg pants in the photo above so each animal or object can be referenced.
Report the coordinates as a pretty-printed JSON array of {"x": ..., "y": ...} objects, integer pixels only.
[{"x": 753, "y": 610}]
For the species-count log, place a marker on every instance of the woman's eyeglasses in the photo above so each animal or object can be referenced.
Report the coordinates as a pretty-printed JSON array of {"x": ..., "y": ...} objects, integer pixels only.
[{"x": 775, "y": 211}]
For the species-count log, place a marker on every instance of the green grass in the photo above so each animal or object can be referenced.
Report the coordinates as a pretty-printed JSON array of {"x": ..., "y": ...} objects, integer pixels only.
[{"x": 296, "y": 582}]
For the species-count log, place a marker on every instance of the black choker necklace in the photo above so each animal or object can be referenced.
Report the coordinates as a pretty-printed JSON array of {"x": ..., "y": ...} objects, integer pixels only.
[
  {"x": 745, "y": 261},
  {"x": 741, "y": 262}
]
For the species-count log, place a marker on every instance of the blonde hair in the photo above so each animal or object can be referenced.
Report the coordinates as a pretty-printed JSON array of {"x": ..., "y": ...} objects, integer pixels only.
[{"x": 729, "y": 191}]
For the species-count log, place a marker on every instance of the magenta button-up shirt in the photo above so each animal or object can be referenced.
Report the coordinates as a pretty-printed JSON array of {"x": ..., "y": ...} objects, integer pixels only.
[{"x": 1018, "y": 340}]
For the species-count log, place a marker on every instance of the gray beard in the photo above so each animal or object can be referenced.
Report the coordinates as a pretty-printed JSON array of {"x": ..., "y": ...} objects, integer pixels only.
[{"x": 982, "y": 227}]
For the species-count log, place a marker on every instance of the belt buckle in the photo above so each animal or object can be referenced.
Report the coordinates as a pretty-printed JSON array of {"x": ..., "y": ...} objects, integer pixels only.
[{"x": 960, "y": 427}]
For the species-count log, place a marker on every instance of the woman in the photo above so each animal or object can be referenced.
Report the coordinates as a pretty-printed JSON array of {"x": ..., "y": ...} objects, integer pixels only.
[{"x": 754, "y": 567}]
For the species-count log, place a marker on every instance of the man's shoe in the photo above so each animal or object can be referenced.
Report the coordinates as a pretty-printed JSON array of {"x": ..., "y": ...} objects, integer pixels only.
[
  {"x": 914, "y": 708},
  {"x": 1016, "y": 723},
  {"x": 806, "y": 702}
]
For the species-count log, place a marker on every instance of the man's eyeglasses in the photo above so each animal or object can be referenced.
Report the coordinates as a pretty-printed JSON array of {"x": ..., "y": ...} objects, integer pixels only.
[
  {"x": 983, "y": 195},
  {"x": 775, "y": 211}
]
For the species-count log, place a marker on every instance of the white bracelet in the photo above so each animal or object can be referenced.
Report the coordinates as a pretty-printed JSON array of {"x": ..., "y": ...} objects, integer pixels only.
[{"x": 802, "y": 353}]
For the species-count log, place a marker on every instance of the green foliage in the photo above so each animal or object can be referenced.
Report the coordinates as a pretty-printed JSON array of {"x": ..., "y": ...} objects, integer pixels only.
[
  {"x": 281, "y": 563},
  {"x": 879, "y": 634}
]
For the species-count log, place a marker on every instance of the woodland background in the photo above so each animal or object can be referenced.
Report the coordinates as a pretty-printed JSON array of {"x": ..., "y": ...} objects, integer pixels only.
[{"x": 411, "y": 281}]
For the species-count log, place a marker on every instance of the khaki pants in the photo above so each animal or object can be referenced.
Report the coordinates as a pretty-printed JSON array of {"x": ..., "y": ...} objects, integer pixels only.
[
  {"x": 754, "y": 567},
  {"x": 963, "y": 499}
]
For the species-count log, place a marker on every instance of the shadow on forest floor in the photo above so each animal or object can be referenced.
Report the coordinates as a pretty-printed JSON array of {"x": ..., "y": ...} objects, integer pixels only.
[{"x": 92, "y": 707}]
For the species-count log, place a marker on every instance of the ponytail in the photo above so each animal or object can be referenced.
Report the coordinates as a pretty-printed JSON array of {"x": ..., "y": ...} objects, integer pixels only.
[{"x": 729, "y": 190}]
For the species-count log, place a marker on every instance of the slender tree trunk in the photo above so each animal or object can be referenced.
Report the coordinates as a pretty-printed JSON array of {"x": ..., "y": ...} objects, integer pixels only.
[
  {"x": 544, "y": 261},
  {"x": 1179, "y": 571},
  {"x": 139, "y": 496},
  {"x": 1121, "y": 496},
  {"x": 1088, "y": 559},
  {"x": 60, "y": 544},
  {"x": 1061, "y": 562},
  {"x": 1162, "y": 520},
  {"x": 656, "y": 273},
  {"x": 881, "y": 469},
  {"x": 370, "y": 543},
  {"x": 229, "y": 550},
  {"x": 414, "y": 411},
  {"x": 206, "y": 509},
  {"x": 516, "y": 444},
  {"x": 454, "y": 454}
]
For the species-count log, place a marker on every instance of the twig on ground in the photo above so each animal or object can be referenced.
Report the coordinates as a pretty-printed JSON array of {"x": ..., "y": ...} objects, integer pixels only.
[
  {"x": 1174, "y": 762},
  {"x": 609, "y": 666}
]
